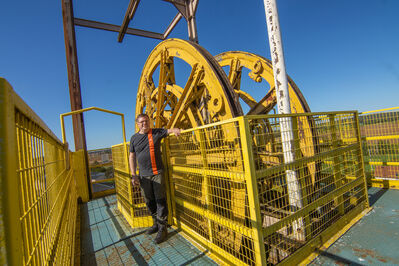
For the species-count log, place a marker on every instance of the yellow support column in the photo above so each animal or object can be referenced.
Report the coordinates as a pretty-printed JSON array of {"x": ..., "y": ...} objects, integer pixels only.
[
  {"x": 11, "y": 244},
  {"x": 252, "y": 188},
  {"x": 78, "y": 166},
  {"x": 360, "y": 157},
  {"x": 336, "y": 167},
  {"x": 205, "y": 184}
]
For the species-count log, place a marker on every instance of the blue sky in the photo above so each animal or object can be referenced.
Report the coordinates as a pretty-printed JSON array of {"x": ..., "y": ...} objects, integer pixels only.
[{"x": 342, "y": 54}]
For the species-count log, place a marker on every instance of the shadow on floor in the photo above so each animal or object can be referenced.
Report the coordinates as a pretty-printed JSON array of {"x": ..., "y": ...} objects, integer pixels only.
[
  {"x": 338, "y": 260},
  {"x": 375, "y": 194}
]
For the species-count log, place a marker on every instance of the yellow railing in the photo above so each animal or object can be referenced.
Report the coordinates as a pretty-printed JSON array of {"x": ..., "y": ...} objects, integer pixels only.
[
  {"x": 62, "y": 116},
  {"x": 38, "y": 192},
  {"x": 380, "y": 133},
  {"x": 232, "y": 191},
  {"x": 130, "y": 201}
]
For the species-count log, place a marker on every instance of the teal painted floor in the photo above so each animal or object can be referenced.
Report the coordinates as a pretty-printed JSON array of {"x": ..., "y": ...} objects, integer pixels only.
[
  {"x": 374, "y": 240},
  {"x": 107, "y": 239}
]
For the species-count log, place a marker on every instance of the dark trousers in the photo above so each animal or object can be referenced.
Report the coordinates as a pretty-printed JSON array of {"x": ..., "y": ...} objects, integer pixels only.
[{"x": 154, "y": 193}]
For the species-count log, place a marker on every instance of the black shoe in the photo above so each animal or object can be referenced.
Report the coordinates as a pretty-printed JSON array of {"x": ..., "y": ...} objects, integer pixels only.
[
  {"x": 152, "y": 229},
  {"x": 162, "y": 235}
]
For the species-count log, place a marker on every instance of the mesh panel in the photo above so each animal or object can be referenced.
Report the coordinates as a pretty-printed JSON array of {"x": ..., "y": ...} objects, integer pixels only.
[
  {"x": 48, "y": 195},
  {"x": 130, "y": 201},
  {"x": 380, "y": 132},
  {"x": 261, "y": 187}
]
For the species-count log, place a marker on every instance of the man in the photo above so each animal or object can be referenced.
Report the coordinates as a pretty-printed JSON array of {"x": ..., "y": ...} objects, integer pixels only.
[{"x": 145, "y": 147}]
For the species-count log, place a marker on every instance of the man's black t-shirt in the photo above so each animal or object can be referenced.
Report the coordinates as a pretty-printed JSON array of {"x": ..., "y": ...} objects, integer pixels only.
[{"x": 148, "y": 150}]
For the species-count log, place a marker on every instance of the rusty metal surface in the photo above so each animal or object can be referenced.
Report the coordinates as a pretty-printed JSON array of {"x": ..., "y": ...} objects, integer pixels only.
[
  {"x": 133, "y": 4},
  {"x": 107, "y": 239},
  {"x": 374, "y": 240},
  {"x": 74, "y": 82}
]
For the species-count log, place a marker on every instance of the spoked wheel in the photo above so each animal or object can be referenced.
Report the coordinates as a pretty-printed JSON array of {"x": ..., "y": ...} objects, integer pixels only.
[
  {"x": 261, "y": 69},
  {"x": 204, "y": 97}
]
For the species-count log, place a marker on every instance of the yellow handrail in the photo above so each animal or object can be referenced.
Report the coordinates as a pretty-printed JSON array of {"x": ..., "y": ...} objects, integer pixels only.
[{"x": 98, "y": 109}]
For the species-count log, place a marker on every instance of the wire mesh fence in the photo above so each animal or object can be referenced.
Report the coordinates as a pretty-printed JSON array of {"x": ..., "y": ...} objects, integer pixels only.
[
  {"x": 237, "y": 189},
  {"x": 130, "y": 201},
  {"x": 41, "y": 205},
  {"x": 301, "y": 199},
  {"x": 380, "y": 133}
]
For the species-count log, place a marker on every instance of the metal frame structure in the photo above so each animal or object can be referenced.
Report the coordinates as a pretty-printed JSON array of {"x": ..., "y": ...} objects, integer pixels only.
[
  {"x": 227, "y": 195},
  {"x": 89, "y": 184},
  {"x": 186, "y": 9}
]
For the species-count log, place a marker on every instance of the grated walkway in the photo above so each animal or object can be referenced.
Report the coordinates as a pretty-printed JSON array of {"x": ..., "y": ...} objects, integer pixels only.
[
  {"x": 374, "y": 240},
  {"x": 107, "y": 239}
]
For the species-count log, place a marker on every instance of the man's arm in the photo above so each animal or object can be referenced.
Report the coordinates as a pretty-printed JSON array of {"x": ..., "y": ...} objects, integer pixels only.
[
  {"x": 176, "y": 131},
  {"x": 133, "y": 168}
]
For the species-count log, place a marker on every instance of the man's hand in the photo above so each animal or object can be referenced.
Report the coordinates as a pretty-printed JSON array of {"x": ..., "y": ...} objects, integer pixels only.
[
  {"x": 175, "y": 131},
  {"x": 135, "y": 180}
]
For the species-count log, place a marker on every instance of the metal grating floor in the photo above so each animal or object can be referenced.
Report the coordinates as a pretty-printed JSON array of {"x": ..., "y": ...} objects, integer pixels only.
[
  {"x": 374, "y": 240},
  {"x": 107, "y": 239}
]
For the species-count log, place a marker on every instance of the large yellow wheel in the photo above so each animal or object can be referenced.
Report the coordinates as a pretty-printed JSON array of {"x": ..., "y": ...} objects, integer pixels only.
[{"x": 204, "y": 97}]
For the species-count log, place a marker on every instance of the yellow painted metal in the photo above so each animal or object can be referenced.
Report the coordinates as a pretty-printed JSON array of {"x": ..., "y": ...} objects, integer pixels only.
[
  {"x": 325, "y": 201},
  {"x": 204, "y": 97},
  {"x": 337, "y": 173},
  {"x": 216, "y": 170},
  {"x": 360, "y": 156},
  {"x": 130, "y": 201},
  {"x": 10, "y": 239},
  {"x": 313, "y": 248},
  {"x": 253, "y": 192},
  {"x": 259, "y": 230},
  {"x": 380, "y": 134},
  {"x": 260, "y": 69},
  {"x": 319, "y": 247},
  {"x": 79, "y": 168},
  {"x": 39, "y": 213},
  {"x": 62, "y": 116}
]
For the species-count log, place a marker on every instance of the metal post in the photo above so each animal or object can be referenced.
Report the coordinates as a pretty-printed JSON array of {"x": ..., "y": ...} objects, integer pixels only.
[
  {"x": 74, "y": 81},
  {"x": 191, "y": 6},
  {"x": 283, "y": 106}
]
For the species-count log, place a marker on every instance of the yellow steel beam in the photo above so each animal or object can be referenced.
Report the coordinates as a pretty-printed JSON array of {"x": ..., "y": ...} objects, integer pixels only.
[
  {"x": 11, "y": 251},
  {"x": 219, "y": 173},
  {"x": 253, "y": 193},
  {"x": 380, "y": 110},
  {"x": 360, "y": 156},
  {"x": 382, "y": 137},
  {"x": 383, "y": 163}
]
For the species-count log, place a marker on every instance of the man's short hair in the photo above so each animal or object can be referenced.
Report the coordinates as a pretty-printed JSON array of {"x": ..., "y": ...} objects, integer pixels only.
[{"x": 142, "y": 115}]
